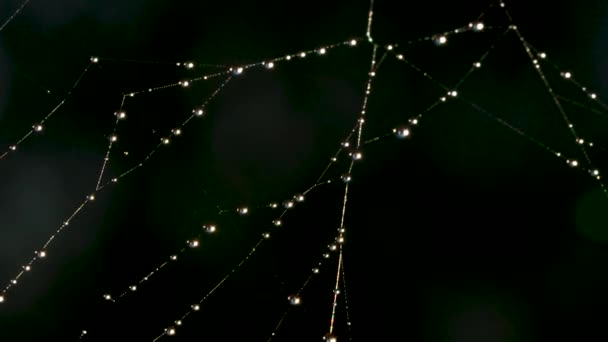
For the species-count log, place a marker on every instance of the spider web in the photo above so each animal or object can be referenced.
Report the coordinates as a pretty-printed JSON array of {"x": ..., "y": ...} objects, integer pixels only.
[{"x": 186, "y": 189}]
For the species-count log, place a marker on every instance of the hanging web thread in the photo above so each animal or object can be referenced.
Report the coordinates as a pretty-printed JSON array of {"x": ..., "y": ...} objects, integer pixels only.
[
  {"x": 372, "y": 73},
  {"x": 346, "y": 307}
]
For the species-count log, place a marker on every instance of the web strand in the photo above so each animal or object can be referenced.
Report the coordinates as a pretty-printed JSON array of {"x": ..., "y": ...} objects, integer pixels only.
[
  {"x": 38, "y": 127},
  {"x": 17, "y": 11},
  {"x": 171, "y": 330},
  {"x": 167, "y": 139},
  {"x": 296, "y": 300},
  {"x": 41, "y": 254},
  {"x": 269, "y": 63},
  {"x": 368, "y": 88},
  {"x": 106, "y": 158},
  {"x": 278, "y": 326},
  {"x": 370, "y": 18},
  {"x": 188, "y": 65},
  {"x": 346, "y": 307}
]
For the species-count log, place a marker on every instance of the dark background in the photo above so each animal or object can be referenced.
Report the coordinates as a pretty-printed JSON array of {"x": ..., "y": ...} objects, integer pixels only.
[{"x": 464, "y": 232}]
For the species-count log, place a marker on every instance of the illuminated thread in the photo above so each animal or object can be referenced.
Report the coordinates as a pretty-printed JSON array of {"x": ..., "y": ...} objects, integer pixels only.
[
  {"x": 38, "y": 127},
  {"x": 370, "y": 17},
  {"x": 166, "y": 140},
  {"x": 371, "y": 75},
  {"x": 553, "y": 96},
  {"x": 442, "y": 37},
  {"x": 348, "y": 321},
  {"x": 543, "y": 57},
  {"x": 184, "y": 64},
  {"x": 176, "y": 84},
  {"x": 110, "y": 144},
  {"x": 276, "y": 328},
  {"x": 42, "y": 253},
  {"x": 335, "y": 303}
]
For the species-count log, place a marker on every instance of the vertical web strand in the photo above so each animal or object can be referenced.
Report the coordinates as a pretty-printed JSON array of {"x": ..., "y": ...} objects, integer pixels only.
[
  {"x": 371, "y": 74},
  {"x": 370, "y": 18},
  {"x": 348, "y": 321},
  {"x": 335, "y": 304}
]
